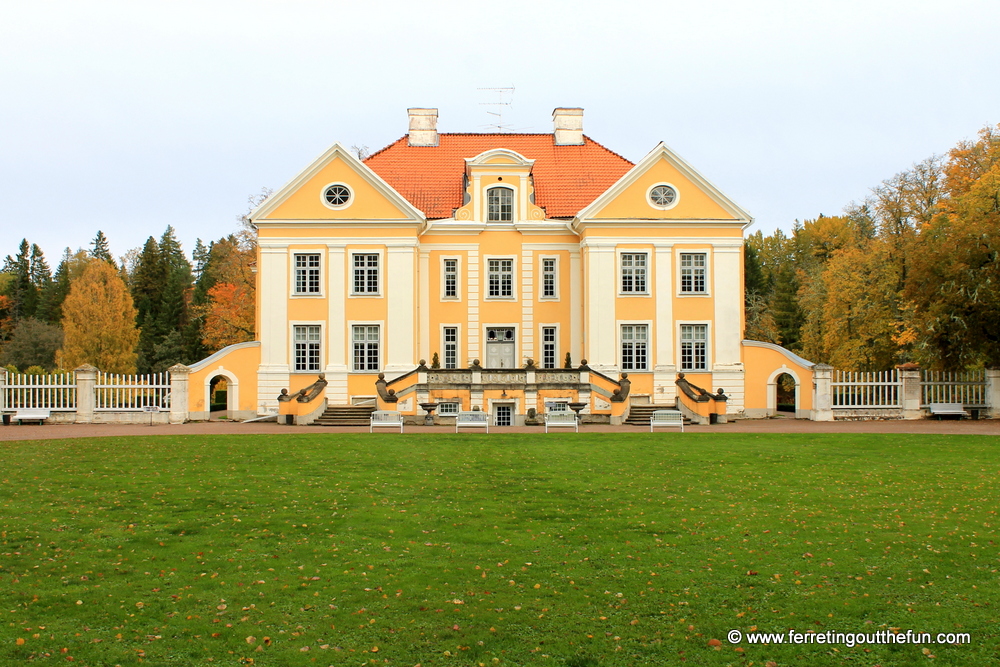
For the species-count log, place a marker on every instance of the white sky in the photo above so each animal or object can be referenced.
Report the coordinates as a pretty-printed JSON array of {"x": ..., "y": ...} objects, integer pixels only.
[{"x": 129, "y": 116}]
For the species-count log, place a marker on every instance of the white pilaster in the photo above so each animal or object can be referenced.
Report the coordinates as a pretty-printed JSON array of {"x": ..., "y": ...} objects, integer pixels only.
[
  {"x": 472, "y": 299},
  {"x": 727, "y": 289},
  {"x": 527, "y": 307},
  {"x": 336, "y": 325},
  {"x": 602, "y": 281},
  {"x": 400, "y": 287},
  {"x": 273, "y": 372},
  {"x": 575, "y": 309},
  {"x": 424, "y": 306},
  {"x": 664, "y": 369}
]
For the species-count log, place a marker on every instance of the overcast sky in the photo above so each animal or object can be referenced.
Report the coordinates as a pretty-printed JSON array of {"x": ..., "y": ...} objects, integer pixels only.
[{"x": 131, "y": 116}]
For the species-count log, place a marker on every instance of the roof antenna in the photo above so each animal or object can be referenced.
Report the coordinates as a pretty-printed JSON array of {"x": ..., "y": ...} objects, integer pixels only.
[{"x": 498, "y": 126}]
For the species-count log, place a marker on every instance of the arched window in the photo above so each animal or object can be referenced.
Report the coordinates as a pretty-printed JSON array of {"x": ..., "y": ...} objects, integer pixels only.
[{"x": 499, "y": 205}]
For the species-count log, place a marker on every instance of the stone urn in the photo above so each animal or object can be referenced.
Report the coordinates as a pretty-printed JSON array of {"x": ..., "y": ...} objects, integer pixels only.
[{"x": 429, "y": 417}]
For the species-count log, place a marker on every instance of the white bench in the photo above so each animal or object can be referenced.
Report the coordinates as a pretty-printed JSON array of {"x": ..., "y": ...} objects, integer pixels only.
[
  {"x": 560, "y": 419},
  {"x": 947, "y": 410},
  {"x": 31, "y": 415},
  {"x": 386, "y": 418},
  {"x": 472, "y": 419},
  {"x": 666, "y": 418}
]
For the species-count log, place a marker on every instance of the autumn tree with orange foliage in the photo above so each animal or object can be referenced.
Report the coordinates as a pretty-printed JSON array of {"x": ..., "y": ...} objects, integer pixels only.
[
  {"x": 99, "y": 321},
  {"x": 229, "y": 315},
  {"x": 954, "y": 284}
]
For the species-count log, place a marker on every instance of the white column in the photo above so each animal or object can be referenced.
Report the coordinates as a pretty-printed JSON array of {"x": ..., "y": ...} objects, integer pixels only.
[
  {"x": 664, "y": 366},
  {"x": 400, "y": 287},
  {"x": 575, "y": 310},
  {"x": 272, "y": 374},
  {"x": 336, "y": 324},
  {"x": 602, "y": 281}
]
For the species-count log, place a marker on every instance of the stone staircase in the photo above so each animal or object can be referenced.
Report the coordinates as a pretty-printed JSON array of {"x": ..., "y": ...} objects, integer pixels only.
[
  {"x": 345, "y": 415},
  {"x": 639, "y": 415}
]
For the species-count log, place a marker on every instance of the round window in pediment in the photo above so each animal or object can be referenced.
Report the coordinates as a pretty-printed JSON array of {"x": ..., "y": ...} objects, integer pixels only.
[
  {"x": 337, "y": 195},
  {"x": 663, "y": 196}
]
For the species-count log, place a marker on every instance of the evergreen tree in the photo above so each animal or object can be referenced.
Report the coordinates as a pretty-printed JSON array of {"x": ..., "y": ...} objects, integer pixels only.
[
  {"x": 21, "y": 290},
  {"x": 101, "y": 250},
  {"x": 200, "y": 256},
  {"x": 160, "y": 285},
  {"x": 53, "y": 295}
]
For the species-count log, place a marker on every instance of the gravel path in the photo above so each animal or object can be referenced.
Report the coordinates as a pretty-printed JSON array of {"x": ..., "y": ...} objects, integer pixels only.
[{"x": 58, "y": 431}]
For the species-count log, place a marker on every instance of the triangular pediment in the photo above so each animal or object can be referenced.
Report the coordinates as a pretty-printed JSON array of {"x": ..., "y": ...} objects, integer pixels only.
[
  {"x": 303, "y": 197},
  {"x": 695, "y": 198}
]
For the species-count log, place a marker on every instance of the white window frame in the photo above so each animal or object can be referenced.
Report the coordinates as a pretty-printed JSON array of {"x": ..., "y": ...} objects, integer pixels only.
[
  {"x": 458, "y": 277},
  {"x": 446, "y": 413},
  {"x": 486, "y": 203},
  {"x": 708, "y": 346},
  {"x": 541, "y": 278},
  {"x": 646, "y": 292},
  {"x": 680, "y": 273},
  {"x": 458, "y": 345},
  {"x": 541, "y": 345},
  {"x": 381, "y": 345},
  {"x": 292, "y": 326},
  {"x": 649, "y": 345},
  {"x": 513, "y": 277},
  {"x": 295, "y": 269},
  {"x": 381, "y": 272}
]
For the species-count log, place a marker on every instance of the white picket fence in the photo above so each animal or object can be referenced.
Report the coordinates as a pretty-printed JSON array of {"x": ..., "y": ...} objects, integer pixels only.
[
  {"x": 854, "y": 390},
  {"x": 56, "y": 392},
  {"x": 967, "y": 388},
  {"x": 131, "y": 393}
]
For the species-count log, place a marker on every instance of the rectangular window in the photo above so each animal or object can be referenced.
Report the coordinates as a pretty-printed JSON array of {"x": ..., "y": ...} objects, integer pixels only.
[
  {"x": 548, "y": 347},
  {"x": 633, "y": 273},
  {"x": 500, "y": 205},
  {"x": 366, "y": 347},
  {"x": 634, "y": 347},
  {"x": 693, "y": 273},
  {"x": 548, "y": 277},
  {"x": 450, "y": 278},
  {"x": 501, "y": 277},
  {"x": 307, "y": 274},
  {"x": 694, "y": 347},
  {"x": 451, "y": 347},
  {"x": 448, "y": 408},
  {"x": 307, "y": 340},
  {"x": 366, "y": 274}
]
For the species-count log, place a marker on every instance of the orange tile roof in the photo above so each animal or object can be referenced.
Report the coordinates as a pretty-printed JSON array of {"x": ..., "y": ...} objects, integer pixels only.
[{"x": 567, "y": 178}]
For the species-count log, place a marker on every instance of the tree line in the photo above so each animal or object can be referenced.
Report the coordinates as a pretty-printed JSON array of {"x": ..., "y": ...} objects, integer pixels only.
[
  {"x": 143, "y": 312},
  {"x": 908, "y": 274}
]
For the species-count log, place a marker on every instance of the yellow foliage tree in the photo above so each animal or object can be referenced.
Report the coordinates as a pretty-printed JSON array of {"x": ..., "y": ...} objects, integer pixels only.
[{"x": 99, "y": 321}]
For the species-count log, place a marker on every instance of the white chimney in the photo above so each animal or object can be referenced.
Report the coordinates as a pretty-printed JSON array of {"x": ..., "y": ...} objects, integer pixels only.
[
  {"x": 568, "y": 125},
  {"x": 423, "y": 127}
]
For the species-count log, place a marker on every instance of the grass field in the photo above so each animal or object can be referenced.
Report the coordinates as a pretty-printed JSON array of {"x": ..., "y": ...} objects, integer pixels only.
[{"x": 565, "y": 549}]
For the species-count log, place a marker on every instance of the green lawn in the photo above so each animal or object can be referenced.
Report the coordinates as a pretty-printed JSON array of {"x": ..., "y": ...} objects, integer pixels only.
[{"x": 557, "y": 549}]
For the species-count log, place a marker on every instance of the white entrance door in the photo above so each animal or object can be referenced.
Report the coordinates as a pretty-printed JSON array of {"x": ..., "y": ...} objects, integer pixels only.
[
  {"x": 500, "y": 347},
  {"x": 504, "y": 415}
]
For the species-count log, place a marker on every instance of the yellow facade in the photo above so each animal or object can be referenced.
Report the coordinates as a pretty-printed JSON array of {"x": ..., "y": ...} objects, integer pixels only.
[{"x": 509, "y": 270}]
